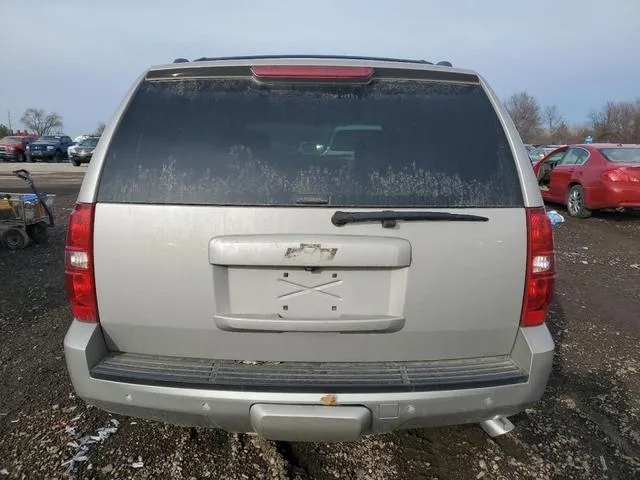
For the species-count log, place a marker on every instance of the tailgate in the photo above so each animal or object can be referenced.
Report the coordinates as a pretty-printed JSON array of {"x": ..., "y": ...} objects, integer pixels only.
[{"x": 205, "y": 285}]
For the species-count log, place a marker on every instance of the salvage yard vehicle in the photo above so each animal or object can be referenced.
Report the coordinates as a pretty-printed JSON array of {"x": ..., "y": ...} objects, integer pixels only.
[
  {"x": 13, "y": 148},
  {"x": 82, "y": 151},
  {"x": 591, "y": 177},
  {"x": 319, "y": 298},
  {"x": 49, "y": 148},
  {"x": 538, "y": 153}
]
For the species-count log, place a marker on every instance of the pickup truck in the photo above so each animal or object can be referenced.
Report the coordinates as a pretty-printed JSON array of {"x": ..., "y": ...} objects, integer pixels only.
[
  {"x": 13, "y": 147},
  {"x": 49, "y": 148}
]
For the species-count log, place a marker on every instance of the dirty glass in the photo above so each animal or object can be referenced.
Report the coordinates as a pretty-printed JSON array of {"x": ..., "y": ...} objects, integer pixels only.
[{"x": 400, "y": 143}]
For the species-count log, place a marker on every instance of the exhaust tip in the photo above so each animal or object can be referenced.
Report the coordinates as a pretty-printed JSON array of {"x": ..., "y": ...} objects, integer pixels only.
[{"x": 497, "y": 426}]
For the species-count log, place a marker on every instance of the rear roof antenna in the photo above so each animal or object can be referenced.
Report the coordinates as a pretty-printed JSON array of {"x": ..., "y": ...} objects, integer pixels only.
[
  {"x": 444, "y": 63},
  {"x": 181, "y": 60}
]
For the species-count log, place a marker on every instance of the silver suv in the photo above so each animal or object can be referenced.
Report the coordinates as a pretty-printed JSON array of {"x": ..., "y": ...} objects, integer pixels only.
[{"x": 222, "y": 276}]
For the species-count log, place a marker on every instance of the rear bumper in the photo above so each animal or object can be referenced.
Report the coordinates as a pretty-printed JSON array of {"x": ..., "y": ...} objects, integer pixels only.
[
  {"x": 615, "y": 196},
  {"x": 279, "y": 415}
]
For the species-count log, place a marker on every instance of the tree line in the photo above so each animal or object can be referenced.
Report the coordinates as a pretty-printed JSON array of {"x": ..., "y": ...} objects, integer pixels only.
[
  {"x": 39, "y": 122},
  {"x": 614, "y": 122}
]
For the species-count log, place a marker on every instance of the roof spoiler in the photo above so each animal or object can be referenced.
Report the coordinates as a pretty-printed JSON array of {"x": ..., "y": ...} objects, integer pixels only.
[{"x": 336, "y": 57}]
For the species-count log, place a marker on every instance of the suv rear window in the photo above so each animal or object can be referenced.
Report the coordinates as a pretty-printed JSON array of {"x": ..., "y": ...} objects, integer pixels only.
[{"x": 391, "y": 143}]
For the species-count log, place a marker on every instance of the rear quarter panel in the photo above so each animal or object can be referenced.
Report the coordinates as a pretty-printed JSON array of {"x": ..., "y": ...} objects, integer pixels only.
[{"x": 590, "y": 177}]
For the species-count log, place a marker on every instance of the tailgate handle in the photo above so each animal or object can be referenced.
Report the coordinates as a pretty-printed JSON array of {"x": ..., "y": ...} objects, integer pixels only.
[
  {"x": 332, "y": 251},
  {"x": 343, "y": 324}
]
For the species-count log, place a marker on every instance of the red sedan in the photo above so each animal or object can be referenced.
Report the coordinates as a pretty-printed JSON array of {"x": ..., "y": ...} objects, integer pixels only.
[{"x": 591, "y": 177}]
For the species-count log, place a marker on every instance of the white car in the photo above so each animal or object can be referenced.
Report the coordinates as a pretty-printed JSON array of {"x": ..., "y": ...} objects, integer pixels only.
[
  {"x": 81, "y": 138},
  {"x": 82, "y": 151}
]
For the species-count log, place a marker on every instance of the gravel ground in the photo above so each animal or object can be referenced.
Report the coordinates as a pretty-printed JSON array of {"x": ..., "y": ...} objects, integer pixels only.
[{"x": 587, "y": 425}]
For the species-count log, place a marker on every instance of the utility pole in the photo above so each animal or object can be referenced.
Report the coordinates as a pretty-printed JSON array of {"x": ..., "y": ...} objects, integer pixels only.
[{"x": 9, "y": 115}]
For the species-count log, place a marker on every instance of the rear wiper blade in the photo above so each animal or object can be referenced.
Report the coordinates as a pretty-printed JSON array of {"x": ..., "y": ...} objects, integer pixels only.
[{"x": 389, "y": 218}]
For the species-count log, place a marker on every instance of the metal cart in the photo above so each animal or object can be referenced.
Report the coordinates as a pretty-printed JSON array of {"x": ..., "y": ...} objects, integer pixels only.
[{"x": 25, "y": 217}]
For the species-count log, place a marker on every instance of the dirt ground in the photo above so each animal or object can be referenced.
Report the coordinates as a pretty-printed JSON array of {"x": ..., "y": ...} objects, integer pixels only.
[{"x": 587, "y": 426}]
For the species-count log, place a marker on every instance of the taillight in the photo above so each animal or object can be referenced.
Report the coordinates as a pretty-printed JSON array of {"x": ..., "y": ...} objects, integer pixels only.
[
  {"x": 311, "y": 72},
  {"x": 617, "y": 175},
  {"x": 541, "y": 269},
  {"x": 78, "y": 263}
]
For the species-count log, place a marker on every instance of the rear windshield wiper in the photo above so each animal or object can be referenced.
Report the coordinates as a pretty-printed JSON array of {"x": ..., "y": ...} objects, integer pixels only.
[{"x": 389, "y": 218}]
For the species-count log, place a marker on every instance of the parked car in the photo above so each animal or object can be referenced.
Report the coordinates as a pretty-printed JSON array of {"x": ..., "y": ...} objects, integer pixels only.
[
  {"x": 13, "y": 148},
  {"x": 80, "y": 138},
  {"x": 220, "y": 277},
  {"x": 82, "y": 152},
  {"x": 538, "y": 153},
  {"x": 49, "y": 148},
  {"x": 591, "y": 177}
]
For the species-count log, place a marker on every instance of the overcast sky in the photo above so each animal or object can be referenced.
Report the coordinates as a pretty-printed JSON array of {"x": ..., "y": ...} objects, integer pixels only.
[{"x": 78, "y": 57}]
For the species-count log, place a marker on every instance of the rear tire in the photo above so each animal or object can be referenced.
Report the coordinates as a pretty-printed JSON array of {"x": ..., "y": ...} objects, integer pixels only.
[
  {"x": 58, "y": 157},
  {"x": 21, "y": 158},
  {"x": 75, "y": 163},
  {"x": 14, "y": 239},
  {"x": 39, "y": 233},
  {"x": 576, "y": 203}
]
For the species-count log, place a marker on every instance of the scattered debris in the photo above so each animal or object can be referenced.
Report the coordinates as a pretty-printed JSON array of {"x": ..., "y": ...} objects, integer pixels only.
[
  {"x": 259, "y": 362},
  {"x": 82, "y": 445},
  {"x": 138, "y": 464},
  {"x": 584, "y": 262},
  {"x": 4, "y": 471},
  {"x": 635, "y": 265},
  {"x": 555, "y": 217},
  {"x": 603, "y": 463},
  {"x": 107, "y": 468}
]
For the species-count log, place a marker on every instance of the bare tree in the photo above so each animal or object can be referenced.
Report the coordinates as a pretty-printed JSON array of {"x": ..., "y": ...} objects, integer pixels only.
[
  {"x": 99, "y": 129},
  {"x": 525, "y": 112},
  {"x": 552, "y": 118},
  {"x": 562, "y": 134},
  {"x": 40, "y": 122},
  {"x": 617, "y": 122}
]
